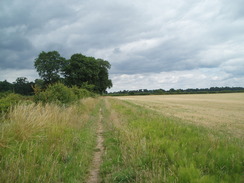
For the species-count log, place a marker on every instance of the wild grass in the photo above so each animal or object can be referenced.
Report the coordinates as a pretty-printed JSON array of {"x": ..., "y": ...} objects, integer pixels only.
[
  {"x": 144, "y": 146},
  {"x": 48, "y": 143},
  {"x": 55, "y": 143}
]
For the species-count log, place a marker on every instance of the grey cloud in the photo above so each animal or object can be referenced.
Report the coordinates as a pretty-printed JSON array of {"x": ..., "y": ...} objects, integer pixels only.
[
  {"x": 20, "y": 22},
  {"x": 135, "y": 36},
  {"x": 15, "y": 60},
  {"x": 170, "y": 55},
  {"x": 14, "y": 43}
]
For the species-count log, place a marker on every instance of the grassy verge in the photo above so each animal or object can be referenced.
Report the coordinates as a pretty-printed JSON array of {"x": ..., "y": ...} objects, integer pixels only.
[
  {"x": 48, "y": 143},
  {"x": 144, "y": 146}
]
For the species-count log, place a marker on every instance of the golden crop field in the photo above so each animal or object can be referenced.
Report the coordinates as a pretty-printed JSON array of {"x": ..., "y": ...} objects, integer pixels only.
[{"x": 223, "y": 112}]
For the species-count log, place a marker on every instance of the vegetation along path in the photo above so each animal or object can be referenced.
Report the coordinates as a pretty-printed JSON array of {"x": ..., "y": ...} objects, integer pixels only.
[
  {"x": 143, "y": 145},
  {"x": 95, "y": 168},
  {"x": 121, "y": 141}
]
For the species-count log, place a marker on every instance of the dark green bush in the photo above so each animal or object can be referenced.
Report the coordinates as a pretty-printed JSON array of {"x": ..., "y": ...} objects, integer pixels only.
[
  {"x": 57, "y": 93},
  {"x": 61, "y": 94}
]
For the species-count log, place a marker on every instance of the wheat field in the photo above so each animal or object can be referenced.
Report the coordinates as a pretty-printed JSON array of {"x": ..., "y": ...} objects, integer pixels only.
[{"x": 224, "y": 112}]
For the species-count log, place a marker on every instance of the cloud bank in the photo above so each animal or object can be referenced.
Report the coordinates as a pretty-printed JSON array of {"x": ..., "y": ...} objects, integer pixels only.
[{"x": 150, "y": 44}]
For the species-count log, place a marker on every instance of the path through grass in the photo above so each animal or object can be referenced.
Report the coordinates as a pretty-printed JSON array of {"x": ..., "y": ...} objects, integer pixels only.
[
  {"x": 50, "y": 143},
  {"x": 97, "y": 158}
]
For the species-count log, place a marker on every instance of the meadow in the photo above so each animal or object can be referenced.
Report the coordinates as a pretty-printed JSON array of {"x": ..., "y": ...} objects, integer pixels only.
[{"x": 173, "y": 138}]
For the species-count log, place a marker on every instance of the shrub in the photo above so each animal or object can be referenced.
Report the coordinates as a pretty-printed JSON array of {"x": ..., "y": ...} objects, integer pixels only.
[
  {"x": 81, "y": 93},
  {"x": 57, "y": 93},
  {"x": 7, "y": 100}
]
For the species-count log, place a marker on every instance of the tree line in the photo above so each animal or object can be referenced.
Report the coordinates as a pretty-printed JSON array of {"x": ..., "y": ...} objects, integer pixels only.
[
  {"x": 80, "y": 71},
  {"x": 178, "y": 91},
  {"x": 21, "y": 86}
]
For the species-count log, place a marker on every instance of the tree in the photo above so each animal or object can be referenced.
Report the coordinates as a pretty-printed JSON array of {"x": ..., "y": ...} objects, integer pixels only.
[
  {"x": 22, "y": 86},
  {"x": 5, "y": 86},
  {"x": 49, "y": 66},
  {"x": 82, "y": 70},
  {"x": 103, "y": 82}
]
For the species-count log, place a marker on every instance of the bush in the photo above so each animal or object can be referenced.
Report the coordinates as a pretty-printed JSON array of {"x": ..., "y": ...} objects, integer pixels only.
[
  {"x": 81, "y": 93},
  {"x": 61, "y": 94},
  {"x": 57, "y": 93},
  {"x": 7, "y": 100}
]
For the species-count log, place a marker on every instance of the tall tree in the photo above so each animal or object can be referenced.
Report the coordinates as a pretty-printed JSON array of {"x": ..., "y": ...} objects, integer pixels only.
[
  {"x": 103, "y": 82},
  {"x": 49, "y": 66},
  {"x": 81, "y": 70}
]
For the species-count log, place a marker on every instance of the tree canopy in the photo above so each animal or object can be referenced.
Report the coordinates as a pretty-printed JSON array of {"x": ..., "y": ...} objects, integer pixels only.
[
  {"x": 49, "y": 66},
  {"x": 79, "y": 70}
]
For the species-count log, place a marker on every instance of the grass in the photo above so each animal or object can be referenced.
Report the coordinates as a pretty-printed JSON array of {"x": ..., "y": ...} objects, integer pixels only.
[
  {"x": 55, "y": 143},
  {"x": 48, "y": 143},
  {"x": 144, "y": 146},
  {"x": 219, "y": 111}
]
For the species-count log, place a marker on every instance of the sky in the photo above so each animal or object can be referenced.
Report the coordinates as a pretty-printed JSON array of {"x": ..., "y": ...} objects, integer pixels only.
[{"x": 150, "y": 44}]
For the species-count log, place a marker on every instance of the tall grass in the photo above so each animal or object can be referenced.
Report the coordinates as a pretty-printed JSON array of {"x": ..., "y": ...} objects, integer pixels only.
[
  {"x": 48, "y": 143},
  {"x": 144, "y": 146}
]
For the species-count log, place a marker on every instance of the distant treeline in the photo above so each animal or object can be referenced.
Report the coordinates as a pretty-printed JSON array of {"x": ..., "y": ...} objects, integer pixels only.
[
  {"x": 24, "y": 87},
  {"x": 178, "y": 91},
  {"x": 21, "y": 86}
]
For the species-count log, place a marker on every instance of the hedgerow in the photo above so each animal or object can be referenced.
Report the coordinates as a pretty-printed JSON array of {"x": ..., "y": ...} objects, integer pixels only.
[{"x": 60, "y": 94}]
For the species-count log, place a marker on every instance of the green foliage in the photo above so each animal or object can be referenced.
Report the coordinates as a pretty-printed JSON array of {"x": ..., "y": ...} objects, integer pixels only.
[
  {"x": 49, "y": 66},
  {"x": 81, "y": 93},
  {"x": 5, "y": 86},
  {"x": 4, "y": 94},
  {"x": 87, "y": 86},
  {"x": 23, "y": 87},
  {"x": 189, "y": 174},
  {"x": 57, "y": 93},
  {"x": 61, "y": 94},
  {"x": 7, "y": 100},
  {"x": 81, "y": 70}
]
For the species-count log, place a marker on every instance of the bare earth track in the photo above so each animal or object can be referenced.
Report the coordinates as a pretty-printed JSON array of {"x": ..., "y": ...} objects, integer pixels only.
[{"x": 97, "y": 159}]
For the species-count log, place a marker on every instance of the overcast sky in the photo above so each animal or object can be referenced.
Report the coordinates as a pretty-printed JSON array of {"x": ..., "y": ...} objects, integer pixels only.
[{"x": 150, "y": 44}]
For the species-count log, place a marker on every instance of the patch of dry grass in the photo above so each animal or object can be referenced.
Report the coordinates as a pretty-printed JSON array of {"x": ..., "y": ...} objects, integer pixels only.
[{"x": 48, "y": 143}]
